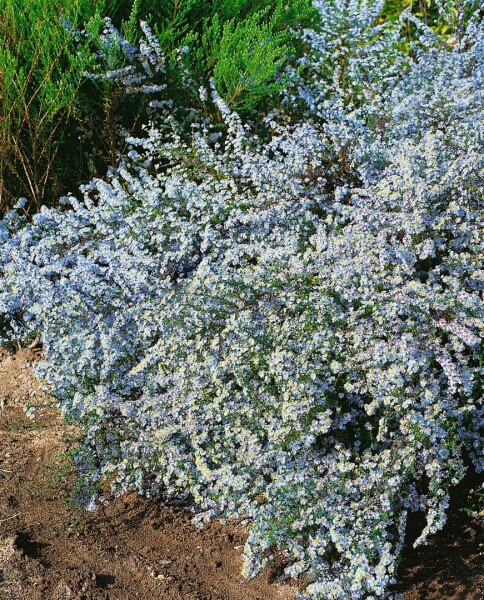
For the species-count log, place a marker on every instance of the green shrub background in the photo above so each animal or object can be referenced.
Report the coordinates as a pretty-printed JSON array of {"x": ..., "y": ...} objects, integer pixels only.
[{"x": 45, "y": 99}]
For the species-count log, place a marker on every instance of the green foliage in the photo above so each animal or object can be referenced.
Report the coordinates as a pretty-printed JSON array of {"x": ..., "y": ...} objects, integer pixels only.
[
  {"x": 42, "y": 66},
  {"x": 40, "y": 72},
  {"x": 244, "y": 45},
  {"x": 244, "y": 58},
  {"x": 454, "y": 19},
  {"x": 57, "y": 130},
  {"x": 474, "y": 504}
]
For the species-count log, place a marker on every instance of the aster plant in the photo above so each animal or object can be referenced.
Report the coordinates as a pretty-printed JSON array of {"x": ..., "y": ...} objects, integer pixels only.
[{"x": 281, "y": 321}]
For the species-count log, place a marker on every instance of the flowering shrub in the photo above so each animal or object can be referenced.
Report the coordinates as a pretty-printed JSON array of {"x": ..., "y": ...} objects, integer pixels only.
[{"x": 286, "y": 328}]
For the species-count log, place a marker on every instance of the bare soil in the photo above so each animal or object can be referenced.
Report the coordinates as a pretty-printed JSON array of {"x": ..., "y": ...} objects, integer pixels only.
[{"x": 139, "y": 549}]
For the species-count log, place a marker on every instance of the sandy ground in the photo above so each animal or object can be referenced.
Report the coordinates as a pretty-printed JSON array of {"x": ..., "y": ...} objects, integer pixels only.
[{"x": 139, "y": 549}]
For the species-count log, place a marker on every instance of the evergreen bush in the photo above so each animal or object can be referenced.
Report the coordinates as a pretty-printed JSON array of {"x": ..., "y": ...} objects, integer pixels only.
[{"x": 51, "y": 116}]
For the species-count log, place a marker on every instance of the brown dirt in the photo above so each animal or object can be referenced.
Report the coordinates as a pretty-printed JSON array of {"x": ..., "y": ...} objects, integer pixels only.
[{"x": 140, "y": 549}]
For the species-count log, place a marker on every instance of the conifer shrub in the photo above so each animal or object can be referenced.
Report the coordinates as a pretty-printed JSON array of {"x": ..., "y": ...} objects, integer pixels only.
[
  {"x": 40, "y": 72},
  {"x": 42, "y": 66},
  {"x": 51, "y": 115},
  {"x": 281, "y": 319}
]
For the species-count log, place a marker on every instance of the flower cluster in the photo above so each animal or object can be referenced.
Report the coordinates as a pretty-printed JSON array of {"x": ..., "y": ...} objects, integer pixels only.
[{"x": 284, "y": 328}]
